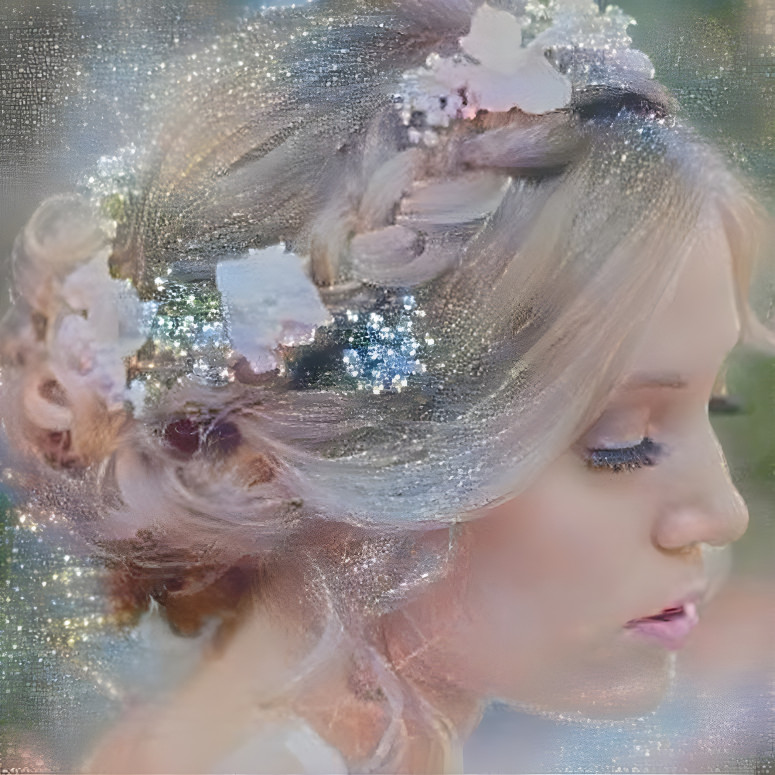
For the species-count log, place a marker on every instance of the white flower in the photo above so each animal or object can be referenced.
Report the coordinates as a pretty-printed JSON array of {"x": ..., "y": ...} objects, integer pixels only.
[
  {"x": 504, "y": 75},
  {"x": 105, "y": 322},
  {"x": 268, "y": 300},
  {"x": 509, "y": 75}
]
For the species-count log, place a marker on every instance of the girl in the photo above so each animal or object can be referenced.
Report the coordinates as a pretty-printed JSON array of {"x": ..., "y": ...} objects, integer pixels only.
[{"x": 387, "y": 365}]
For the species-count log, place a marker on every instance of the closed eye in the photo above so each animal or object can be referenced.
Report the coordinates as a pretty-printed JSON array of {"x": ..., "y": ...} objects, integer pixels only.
[
  {"x": 647, "y": 452},
  {"x": 618, "y": 459}
]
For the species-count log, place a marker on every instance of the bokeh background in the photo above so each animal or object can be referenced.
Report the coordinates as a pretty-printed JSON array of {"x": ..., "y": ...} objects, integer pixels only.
[{"x": 74, "y": 86}]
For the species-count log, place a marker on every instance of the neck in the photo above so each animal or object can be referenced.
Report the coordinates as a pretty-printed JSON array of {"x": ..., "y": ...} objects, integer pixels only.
[
  {"x": 381, "y": 710},
  {"x": 381, "y": 706},
  {"x": 375, "y": 709},
  {"x": 454, "y": 710}
]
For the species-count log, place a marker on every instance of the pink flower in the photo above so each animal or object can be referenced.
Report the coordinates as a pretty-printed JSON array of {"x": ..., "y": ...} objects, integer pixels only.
[
  {"x": 495, "y": 72},
  {"x": 103, "y": 324},
  {"x": 268, "y": 300}
]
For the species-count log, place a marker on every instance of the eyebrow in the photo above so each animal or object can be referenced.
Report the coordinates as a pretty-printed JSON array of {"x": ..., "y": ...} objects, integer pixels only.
[{"x": 669, "y": 380}]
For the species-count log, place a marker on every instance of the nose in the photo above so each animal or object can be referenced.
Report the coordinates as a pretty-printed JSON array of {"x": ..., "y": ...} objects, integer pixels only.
[{"x": 701, "y": 505}]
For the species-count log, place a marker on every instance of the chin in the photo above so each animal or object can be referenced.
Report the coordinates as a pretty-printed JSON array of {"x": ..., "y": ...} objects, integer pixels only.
[
  {"x": 637, "y": 694},
  {"x": 624, "y": 685}
]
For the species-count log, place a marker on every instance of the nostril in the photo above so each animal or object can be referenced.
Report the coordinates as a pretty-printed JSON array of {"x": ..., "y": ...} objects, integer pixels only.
[
  {"x": 715, "y": 521},
  {"x": 704, "y": 506}
]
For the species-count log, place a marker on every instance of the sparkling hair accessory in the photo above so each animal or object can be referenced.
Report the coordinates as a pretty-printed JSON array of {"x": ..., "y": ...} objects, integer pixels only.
[{"x": 102, "y": 340}]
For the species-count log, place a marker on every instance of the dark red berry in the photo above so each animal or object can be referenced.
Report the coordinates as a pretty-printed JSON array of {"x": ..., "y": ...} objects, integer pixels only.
[{"x": 183, "y": 435}]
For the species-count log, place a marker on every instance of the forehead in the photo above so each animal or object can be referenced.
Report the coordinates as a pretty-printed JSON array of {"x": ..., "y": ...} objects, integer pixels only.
[{"x": 697, "y": 322}]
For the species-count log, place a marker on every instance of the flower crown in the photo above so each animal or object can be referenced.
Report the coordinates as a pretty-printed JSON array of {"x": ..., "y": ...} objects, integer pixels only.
[
  {"x": 259, "y": 306},
  {"x": 532, "y": 62},
  {"x": 252, "y": 318},
  {"x": 107, "y": 341}
]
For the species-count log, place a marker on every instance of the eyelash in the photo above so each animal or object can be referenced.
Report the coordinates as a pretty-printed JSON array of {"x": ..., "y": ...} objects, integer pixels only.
[
  {"x": 618, "y": 459},
  {"x": 647, "y": 451}
]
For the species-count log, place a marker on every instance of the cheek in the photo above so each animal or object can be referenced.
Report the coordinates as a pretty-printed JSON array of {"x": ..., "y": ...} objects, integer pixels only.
[
  {"x": 550, "y": 569},
  {"x": 549, "y": 582}
]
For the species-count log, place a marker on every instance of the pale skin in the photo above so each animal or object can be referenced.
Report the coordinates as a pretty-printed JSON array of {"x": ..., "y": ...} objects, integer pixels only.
[
  {"x": 553, "y": 575},
  {"x": 534, "y": 610}
]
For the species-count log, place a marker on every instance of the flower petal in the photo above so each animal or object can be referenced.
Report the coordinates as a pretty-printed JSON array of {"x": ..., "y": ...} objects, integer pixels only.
[
  {"x": 495, "y": 39},
  {"x": 268, "y": 300},
  {"x": 536, "y": 87}
]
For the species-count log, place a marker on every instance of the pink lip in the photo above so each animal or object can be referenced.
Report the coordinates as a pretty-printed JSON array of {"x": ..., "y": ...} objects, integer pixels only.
[{"x": 670, "y": 628}]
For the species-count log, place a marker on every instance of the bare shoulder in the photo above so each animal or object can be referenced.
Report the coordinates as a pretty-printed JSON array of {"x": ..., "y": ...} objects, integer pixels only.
[
  {"x": 229, "y": 715},
  {"x": 149, "y": 741}
]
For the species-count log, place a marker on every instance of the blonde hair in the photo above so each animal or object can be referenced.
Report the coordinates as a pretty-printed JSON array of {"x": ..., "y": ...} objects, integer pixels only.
[{"x": 536, "y": 246}]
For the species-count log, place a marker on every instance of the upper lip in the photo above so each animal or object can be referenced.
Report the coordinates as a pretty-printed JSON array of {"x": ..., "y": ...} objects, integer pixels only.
[{"x": 697, "y": 595}]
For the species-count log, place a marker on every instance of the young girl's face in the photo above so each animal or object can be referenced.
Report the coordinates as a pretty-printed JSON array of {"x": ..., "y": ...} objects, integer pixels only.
[{"x": 574, "y": 595}]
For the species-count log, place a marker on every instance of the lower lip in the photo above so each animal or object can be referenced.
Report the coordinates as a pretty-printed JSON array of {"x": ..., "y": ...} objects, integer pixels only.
[{"x": 671, "y": 634}]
